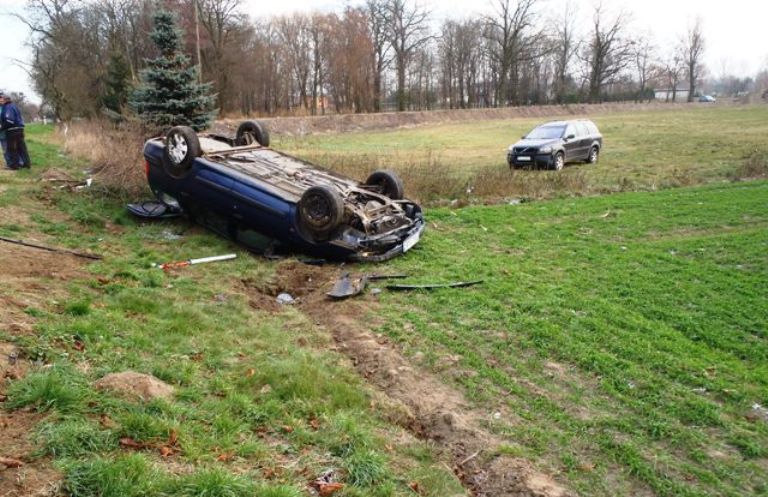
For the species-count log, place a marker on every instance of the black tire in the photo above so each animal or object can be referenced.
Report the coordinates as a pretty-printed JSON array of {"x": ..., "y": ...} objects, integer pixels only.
[
  {"x": 251, "y": 131},
  {"x": 559, "y": 161},
  {"x": 182, "y": 147},
  {"x": 594, "y": 155},
  {"x": 321, "y": 211},
  {"x": 387, "y": 183}
]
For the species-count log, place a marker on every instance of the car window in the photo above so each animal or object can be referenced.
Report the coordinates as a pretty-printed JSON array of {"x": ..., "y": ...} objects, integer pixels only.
[
  {"x": 592, "y": 128},
  {"x": 545, "y": 133},
  {"x": 570, "y": 130},
  {"x": 582, "y": 129}
]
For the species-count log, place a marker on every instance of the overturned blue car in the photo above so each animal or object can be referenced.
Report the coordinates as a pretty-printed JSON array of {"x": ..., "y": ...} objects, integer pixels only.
[{"x": 242, "y": 189}]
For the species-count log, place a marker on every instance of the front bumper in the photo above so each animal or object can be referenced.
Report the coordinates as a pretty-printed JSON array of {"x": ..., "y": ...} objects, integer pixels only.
[
  {"x": 539, "y": 160},
  {"x": 406, "y": 242}
]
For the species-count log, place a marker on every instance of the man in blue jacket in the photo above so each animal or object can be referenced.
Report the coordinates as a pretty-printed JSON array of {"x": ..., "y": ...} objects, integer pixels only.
[
  {"x": 3, "y": 141},
  {"x": 12, "y": 123}
]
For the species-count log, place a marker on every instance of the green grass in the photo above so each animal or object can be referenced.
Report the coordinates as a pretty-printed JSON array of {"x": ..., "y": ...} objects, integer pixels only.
[
  {"x": 642, "y": 151},
  {"x": 262, "y": 406},
  {"x": 652, "y": 308},
  {"x": 622, "y": 338}
]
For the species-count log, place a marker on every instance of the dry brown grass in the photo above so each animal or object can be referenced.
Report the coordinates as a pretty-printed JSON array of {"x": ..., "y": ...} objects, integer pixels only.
[
  {"x": 431, "y": 182},
  {"x": 113, "y": 152},
  {"x": 753, "y": 167}
]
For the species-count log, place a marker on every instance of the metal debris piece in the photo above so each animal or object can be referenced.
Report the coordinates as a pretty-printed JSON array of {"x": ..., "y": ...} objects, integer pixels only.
[
  {"x": 348, "y": 286},
  {"x": 51, "y": 249},
  {"x": 153, "y": 209},
  {"x": 173, "y": 265},
  {"x": 433, "y": 286}
]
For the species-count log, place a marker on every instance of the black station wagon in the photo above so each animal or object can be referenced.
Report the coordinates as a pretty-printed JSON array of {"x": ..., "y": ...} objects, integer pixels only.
[{"x": 556, "y": 143}]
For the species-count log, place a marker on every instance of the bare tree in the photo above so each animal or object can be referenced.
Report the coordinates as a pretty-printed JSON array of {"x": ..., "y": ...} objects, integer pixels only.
[
  {"x": 672, "y": 70},
  {"x": 408, "y": 32},
  {"x": 608, "y": 52},
  {"x": 378, "y": 25},
  {"x": 692, "y": 51},
  {"x": 644, "y": 53},
  {"x": 512, "y": 41},
  {"x": 566, "y": 47}
]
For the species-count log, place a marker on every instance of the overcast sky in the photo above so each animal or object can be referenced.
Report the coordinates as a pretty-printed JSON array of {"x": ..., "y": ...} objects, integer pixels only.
[{"x": 735, "y": 31}]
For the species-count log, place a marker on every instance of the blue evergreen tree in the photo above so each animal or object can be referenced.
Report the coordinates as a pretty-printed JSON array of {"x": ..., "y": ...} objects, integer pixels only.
[{"x": 170, "y": 94}]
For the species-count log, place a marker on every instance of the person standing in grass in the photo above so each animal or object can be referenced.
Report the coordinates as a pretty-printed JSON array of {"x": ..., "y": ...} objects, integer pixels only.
[
  {"x": 12, "y": 123},
  {"x": 3, "y": 141}
]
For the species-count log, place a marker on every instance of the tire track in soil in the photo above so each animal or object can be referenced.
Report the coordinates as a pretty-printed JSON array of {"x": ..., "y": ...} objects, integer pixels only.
[{"x": 426, "y": 406}]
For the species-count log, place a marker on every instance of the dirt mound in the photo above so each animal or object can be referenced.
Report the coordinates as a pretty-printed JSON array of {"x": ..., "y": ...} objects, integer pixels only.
[
  {"x": 301, "y": 281},
  {"x": 135, "y": 385},
  {"x": 301, "y": 126}
]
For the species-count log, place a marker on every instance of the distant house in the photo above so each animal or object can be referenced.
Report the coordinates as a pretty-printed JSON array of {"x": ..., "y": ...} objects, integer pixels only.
[{"x": 681, "y": 95}]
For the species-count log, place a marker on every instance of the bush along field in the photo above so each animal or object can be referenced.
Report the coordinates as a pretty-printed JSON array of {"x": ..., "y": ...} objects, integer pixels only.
[
  {"x": 616, "y": 347},
  {"x": 643, "y": 151},
  {"x": 262, "y": 404}
]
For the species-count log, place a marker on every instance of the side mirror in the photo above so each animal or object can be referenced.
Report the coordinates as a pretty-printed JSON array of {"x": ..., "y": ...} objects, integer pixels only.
[
  {"x": 522, "y": 137},
  {"x": 570, "y": 137}
]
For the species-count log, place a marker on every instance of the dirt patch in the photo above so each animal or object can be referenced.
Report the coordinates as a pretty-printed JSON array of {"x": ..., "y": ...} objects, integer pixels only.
[
  {"x": 302, "y": 126},
  {"x": 35, "y": 477},
  {"x": 301, "y": 281},
  {"x": 31, "y": 279},
  {"x": 410, "y": 397},
  {"x": 135, "y": 385}
]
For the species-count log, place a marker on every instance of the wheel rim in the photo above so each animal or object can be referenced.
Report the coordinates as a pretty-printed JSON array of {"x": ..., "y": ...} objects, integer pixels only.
[
  {"x": 559, "y": 162},
  {"x": 177, "y": 148},
  {"x": 593, "y": 156},
  {"x": 248, "y": 138},
  {"x": 317, "y": 211}
]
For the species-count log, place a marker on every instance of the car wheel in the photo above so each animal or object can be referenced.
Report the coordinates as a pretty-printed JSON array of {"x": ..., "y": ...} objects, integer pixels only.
[
  {"x": 321, "y": 210},
  {"x": 594, "y": 155},
  {"x": 182, "y": 147},
  {"x": 387, "y": 183},
  {"x": 250, "y": 132},
  {"x": 559, "y": 162}
]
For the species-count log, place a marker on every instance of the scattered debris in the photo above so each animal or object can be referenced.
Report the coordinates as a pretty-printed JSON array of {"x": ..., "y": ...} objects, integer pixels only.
[
  {"x": 758, "y": 412},
  {"x": 433, "y": 286},
  {"x": 325, "y": 485},
  {"x": 348, "y": 286},
  {"x": 153, "y": 209},
  {"x": 51, "y": 249},
  {"x": 175, "y": 265},
  {"x": 285, "y": 299},
  {"x": 170, "y": 236},
  {"x": 135, "y": 385}
]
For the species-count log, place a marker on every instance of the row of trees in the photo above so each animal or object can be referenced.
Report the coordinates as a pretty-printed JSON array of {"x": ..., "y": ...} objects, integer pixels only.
[{"x": 379, "y": 54}]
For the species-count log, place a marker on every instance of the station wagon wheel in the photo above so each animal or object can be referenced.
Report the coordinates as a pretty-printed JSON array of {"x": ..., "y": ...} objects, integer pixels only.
[
  {"x": 182, "y": 147},
  {"x": 559, "y": 161},
  {"x": 321, "y": 210},
  {"x": 250, "y": 132},
  {"x": 388, "y": 183},
  {"x": 594, "y": 155}
]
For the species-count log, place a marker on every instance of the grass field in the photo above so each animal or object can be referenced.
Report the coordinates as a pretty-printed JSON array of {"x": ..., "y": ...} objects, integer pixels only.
[
  {"x": 643, "y": 151},
  {"x": 618, "y": 342},
  {"x": 626, "y": 336}
]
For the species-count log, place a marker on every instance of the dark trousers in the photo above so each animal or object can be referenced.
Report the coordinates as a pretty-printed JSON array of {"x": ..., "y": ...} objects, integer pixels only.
[{"x": 17, "y": 148}]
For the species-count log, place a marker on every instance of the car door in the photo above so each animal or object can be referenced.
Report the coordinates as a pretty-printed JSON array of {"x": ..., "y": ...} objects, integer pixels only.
[
  {"x": 571, "y": 145},
  {"x": 584, "y": 138}
]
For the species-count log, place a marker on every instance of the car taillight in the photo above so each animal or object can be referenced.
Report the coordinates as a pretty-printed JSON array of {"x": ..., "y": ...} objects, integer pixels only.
[{"x": 146, "y": 168}]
